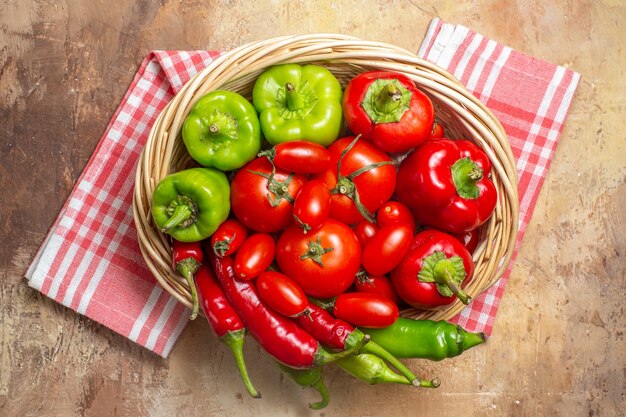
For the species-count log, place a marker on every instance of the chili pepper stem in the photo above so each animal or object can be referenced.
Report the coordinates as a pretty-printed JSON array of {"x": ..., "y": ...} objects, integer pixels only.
[
  {"x": 433, "y": 383},
  {"x": 320, "y": 386},
  {"x": 323, "y": 357},
  {"x": 234, "y": 340},
  {"x": 187, "y": 268}
]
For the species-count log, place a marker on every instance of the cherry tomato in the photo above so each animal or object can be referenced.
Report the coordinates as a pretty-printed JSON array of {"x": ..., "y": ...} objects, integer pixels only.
[
  {"x": 376, "y": 284},
  {"x": 394, "y": 212},
  {"x": 262, "y": 198},
  {"x": 282, "y": 294},
  {"x": 312, "y": 205},
  {"x": 371, "y": 188},
  {"x": 387, "y": 248},
  {"x": 300, "y": 156},
  {"x": 254, "y": 256},
  {"x": 323, "y": 262},
  {"x": 364, "y": 231},
  {"x": 469, "y": 239},
  {"x": 438, "y": 131},
  {"x": 365, "y": 309},
  {"x": 228, "y": 238}
]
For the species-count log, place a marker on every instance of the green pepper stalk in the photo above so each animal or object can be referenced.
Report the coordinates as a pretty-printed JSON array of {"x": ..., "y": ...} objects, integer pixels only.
[
  {"x": 309, "y": 378},
  {"x": 434, "y": 340},
  {"x": 297, "y": 102},
  {"x": 191, "y": 204},
  {"x": 222, "y": 131},
  {"x": 373, "y": 370}
]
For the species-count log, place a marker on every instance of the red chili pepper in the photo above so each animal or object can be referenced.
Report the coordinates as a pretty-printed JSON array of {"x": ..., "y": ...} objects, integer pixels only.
[
  {"x": 388, "y": 109},
  {"x": 299, "y": 156},
  {"x": 338, "y": 334},
  {"x": 187, "y": 257},
  {"x": 445, "y": 183},
  {"x": 282, "y": 338},
  {"x": 224, "y": 320},
  {"x": 434, "y": 271}
]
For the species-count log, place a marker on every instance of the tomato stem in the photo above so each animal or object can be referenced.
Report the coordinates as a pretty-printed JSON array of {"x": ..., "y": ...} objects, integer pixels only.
[{"x": 315, "y": 252}]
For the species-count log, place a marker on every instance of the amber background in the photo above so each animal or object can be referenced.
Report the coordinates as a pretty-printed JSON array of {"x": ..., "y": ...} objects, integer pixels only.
[{"x": 558, "y": 347}]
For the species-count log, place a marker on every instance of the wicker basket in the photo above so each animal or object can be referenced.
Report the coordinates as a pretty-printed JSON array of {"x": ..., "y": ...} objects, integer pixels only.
[{"x": 459, "y": 111}]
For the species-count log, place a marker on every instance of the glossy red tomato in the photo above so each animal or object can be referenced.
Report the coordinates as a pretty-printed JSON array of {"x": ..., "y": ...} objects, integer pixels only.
[
  {"x": 282, "y": 294},
  {"x": 371, "y": 188},
  {"x": 254, "y": 256},
  {"x": 300, "y": 156},
  {"x": 376, "y": 284},
  {"x": 312, "y": 205},
  {"x": 438, "y": 131},
  {"x": 365, "y": 309},
  {"x": 323, "y": 262},
  {"x": 364, "y": 231},
  {"x": 394, "y": 212},
  {"x": 263, "y": 201},
  {"x": 387, "y": 248},
  {"x": 228, "y": 238}
]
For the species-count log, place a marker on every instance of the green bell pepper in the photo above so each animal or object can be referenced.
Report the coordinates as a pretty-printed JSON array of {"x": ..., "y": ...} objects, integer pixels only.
[
  {"x": 191, "y": 204},
  {"x": 298, "y": 103},
  {"x": 222, "y": 131}
]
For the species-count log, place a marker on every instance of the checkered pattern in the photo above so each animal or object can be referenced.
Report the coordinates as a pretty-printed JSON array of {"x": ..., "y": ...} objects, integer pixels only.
[
  {"x": 529, "y": 97},
  {"x": 91, "y": 262}
]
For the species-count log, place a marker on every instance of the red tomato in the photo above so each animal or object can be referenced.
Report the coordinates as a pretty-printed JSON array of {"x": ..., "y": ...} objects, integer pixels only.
[
  {"x": 261, "y": 201},
  {"x": 282, "y": 294},
  {"x": 376, "y": 284},
  {"x": 437, "y": 132},
  {"x": 300, "y": 156},
  {"x": 371, "y": 188},
  {"x": 254, "y": 256},
  {"x": 228, "y": 238},
  {"x": 323, "y": 262},
  {"x": 312, "y": 205},
  {"x": 364, "y": 231},
  {"x": 387, "y": 248},
  {"x": 365, "y": 309},
  {"x": 469, "y": 239},
  {"x": 394, "y": 212}
]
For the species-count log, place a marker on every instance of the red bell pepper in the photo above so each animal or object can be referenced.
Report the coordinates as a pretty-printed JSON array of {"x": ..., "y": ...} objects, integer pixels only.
[
  {"x": 445, "y": 184},
  {"x": 388, "y": 110},
  {"x": 434, "y": 271}
]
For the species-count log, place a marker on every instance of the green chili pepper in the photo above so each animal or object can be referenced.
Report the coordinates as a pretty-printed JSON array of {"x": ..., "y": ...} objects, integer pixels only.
[
  {"x": 191, "y": 204},
  {"x": 298, "y": 103},
  {"x": 309, "y": 378},
  {"x": 222, "y": 131},
  {"x": 373, "y": 370},
  {"x": 434, "y": 340}
]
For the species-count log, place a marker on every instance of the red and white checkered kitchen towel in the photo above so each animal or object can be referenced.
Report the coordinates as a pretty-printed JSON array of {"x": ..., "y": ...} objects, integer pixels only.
[{"x": 91, "y": 262}]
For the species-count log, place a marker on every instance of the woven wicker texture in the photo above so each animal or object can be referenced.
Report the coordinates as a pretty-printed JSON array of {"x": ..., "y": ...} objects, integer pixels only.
[{"x": 459, "y": 111}]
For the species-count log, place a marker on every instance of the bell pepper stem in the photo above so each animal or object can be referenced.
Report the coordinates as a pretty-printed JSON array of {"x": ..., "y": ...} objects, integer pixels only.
[
  {"x": 181, "y": 213},
  {"x": 388, "y": 98},
  {"x": 446, "y": 279},
  {"x": 295, "y": 100},
  {"x": 465, "y": 174},
  {"x": 234, "y": 340}
]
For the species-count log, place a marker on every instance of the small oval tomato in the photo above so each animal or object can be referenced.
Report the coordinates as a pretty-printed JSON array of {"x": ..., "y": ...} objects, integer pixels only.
[
  {"x": 387, "y": 248},
  {"x": 394, "y": 212},
  {"x": 312, "y": 205},
  {"x": 365, "y": 231},
  {"x": 300, "y": 156},
  {"x": 365, "y": 309},
  {"x": 282, "y": 294},
  {"x": 469, "y": 239},
  {"x": 376, "y": 284},
  {"x": 438, "y": 131},
  {"x": 228, "y": 238},
  {"x": 254, "y": 256},
  {"x": 323, "y": 262},
  {"x": 262, "y": 197}
]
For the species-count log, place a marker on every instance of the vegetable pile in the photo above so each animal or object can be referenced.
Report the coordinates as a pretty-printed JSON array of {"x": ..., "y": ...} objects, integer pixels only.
[{"x": 316, "y": 214}]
